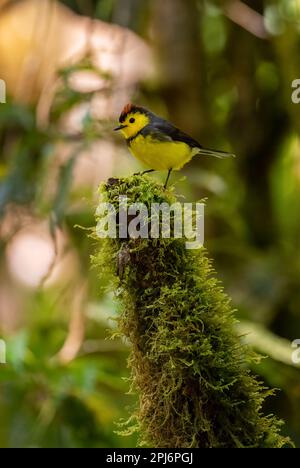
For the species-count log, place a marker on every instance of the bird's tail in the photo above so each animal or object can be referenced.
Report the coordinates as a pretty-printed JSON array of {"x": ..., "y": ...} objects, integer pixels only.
[{"x": 215, "y": 153}]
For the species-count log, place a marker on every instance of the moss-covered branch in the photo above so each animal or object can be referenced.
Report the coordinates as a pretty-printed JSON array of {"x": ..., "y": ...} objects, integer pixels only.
[{"x": 187, "y": 364}]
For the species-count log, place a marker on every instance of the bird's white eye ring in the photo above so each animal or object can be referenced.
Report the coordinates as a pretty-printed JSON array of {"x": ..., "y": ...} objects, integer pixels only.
[{"x": 132, "y": 120}]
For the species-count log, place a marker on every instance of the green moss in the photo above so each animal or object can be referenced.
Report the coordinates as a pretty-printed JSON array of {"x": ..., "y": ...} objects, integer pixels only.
[{"x": 188, "y": 367}]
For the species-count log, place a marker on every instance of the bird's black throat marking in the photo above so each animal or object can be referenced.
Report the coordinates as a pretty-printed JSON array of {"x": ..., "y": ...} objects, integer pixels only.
[{"x": 133, "y": 137}]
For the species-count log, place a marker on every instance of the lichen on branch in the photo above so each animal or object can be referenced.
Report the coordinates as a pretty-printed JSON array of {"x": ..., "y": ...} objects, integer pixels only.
[{"x": 188, "y": 366}]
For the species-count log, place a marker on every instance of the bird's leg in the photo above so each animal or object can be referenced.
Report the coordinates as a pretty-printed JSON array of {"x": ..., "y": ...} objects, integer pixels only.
[
  {"x": 166, "y": 183},
  {"x": 143, "y": 173}
]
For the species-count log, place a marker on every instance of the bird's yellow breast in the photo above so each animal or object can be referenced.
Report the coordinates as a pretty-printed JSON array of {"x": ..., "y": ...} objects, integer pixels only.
[{"x": 160, "y": 155}]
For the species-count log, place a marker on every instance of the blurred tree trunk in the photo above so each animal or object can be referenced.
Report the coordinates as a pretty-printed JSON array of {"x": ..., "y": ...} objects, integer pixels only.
[
  {"x": 176, "y": 25},
  {"x": 258, "y": 124}
]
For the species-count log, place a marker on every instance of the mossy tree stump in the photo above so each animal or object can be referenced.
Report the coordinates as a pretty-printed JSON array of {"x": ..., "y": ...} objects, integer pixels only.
[{"x": 188, "y": 366}]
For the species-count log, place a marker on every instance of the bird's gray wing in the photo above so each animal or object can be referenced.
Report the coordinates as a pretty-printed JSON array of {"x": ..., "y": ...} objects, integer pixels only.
[
  {"x": 173, "y": 133},
  {"x": 157, "y": 133},
  {"x": 170, "y": 131},
  {"x": 163, "y": 130}
]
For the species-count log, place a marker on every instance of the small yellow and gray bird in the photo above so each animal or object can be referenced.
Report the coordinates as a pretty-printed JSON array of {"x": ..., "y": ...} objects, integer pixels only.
[{"x": 157, "y": 143}]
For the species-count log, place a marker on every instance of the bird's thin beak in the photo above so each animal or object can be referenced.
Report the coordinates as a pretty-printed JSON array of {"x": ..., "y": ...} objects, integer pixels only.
[{"x": 120, "y": 128}]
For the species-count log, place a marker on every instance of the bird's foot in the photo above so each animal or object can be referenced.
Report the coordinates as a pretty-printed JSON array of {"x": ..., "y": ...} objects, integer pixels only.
[{"x": 144, "y": 172}]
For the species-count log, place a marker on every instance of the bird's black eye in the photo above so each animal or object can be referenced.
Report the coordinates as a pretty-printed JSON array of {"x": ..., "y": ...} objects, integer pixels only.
[{"x": 132, "y": 120}]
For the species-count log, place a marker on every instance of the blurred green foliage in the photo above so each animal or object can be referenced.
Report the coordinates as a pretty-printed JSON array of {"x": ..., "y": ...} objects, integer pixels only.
[{"x": 225, "y": 77}]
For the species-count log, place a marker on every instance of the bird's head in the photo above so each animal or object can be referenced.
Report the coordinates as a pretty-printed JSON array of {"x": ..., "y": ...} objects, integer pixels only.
[{"x": 133, "y": 119}]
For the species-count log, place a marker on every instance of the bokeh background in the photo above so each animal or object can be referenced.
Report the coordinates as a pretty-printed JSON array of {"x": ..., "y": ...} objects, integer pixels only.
[{"x": 223, "y": 72}]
